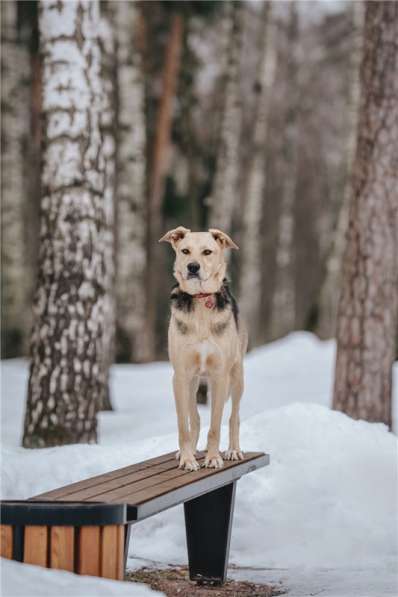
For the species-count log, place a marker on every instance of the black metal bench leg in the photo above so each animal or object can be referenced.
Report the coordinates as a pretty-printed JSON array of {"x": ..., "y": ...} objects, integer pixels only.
[{"x": 208, "y": 523}]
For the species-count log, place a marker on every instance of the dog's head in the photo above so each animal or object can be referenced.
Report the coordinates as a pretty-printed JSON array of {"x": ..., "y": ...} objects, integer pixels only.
[{"x": 200, "y": 264}]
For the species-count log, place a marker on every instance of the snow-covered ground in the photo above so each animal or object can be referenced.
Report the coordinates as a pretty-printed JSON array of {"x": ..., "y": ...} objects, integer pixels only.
[{"x": 322, "y": 518}]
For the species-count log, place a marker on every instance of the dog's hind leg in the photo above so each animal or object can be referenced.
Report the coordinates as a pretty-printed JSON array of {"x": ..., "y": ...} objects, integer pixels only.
[
  {"x": 194, "y": 418},
  {"x": 234, "y": 452}
]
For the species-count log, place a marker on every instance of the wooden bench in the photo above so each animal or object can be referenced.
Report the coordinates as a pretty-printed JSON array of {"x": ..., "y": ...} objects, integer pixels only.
[{"x": 85, "y": 527}]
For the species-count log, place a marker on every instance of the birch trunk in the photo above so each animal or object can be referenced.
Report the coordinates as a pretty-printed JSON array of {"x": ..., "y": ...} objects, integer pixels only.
[
  {"x": 251, "y": 258},
  {"x": 224, "y": 194},
  {"x": 15, "y": 278},
  {"x": 329, "y": 295},
  {"x": 65, "y": 384},
  {"x": 367, "y": 313},
  {"x": 284, "y": 300},
  {"x": 131, "y": 185},
  {"x": 107, "y": 124}
]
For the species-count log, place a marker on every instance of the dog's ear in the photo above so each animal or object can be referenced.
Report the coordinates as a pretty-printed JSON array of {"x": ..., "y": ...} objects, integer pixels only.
[
  {"x": 174, "y": 236},
  {"x": 223, "y": 239}
]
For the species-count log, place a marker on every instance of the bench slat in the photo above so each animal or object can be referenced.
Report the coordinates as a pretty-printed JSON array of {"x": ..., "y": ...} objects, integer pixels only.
[
  {"x": 36, "y": 545},
  {"x": 6, "y": 543},
  {"x": 140, "y": 492},
  {"x": 89, "y": 551},
  {"x": 62, "y": 492},
  {"x": 112, "y": 552},
  {"x": 62, "y": 548},
  {"x": 149, "y": 475}
]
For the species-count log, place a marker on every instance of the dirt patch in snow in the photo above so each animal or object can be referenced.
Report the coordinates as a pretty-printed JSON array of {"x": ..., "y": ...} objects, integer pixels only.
[{"x": 175, "y": 581}]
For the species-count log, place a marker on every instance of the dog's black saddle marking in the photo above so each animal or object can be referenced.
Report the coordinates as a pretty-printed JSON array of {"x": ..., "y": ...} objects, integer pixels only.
[{"x": 184, "y": 301}]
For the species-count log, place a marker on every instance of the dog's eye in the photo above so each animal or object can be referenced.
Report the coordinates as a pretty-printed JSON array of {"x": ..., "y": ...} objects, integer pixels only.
[
  {"x": 185, "y": 251},
  {"x": 207, "y": 252}
]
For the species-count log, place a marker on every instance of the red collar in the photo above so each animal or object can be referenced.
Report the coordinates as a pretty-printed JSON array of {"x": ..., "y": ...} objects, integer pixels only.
[{"x": 210, "y": 301}]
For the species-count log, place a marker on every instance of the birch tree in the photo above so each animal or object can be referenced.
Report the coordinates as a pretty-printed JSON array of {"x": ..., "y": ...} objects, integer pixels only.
[
  {"x": 14, "y": 130},
  {"x": 284, "y": 300},
  {"x": 251, "y": 258},
  {"x": 329, "y": 295},
  {"x": 108, "y": 130},
  {"x": 65, "y": 384},
  {"x": 131, "y": 184},
  {"x": 224, "y": 194},
  {"x": 367, "y": 313}
]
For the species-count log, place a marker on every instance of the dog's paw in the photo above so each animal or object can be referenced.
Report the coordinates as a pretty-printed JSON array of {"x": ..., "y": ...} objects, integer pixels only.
[
  {"x": 188, "y": 462},
  {"x": 213, "y": 461},
  {"x": 233, "y": 455}
]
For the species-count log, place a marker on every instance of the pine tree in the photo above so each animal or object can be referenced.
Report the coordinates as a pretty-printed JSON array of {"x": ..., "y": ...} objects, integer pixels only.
[
  {"x": 367, "y": 313},
  {"x": 65, "y": 383}
]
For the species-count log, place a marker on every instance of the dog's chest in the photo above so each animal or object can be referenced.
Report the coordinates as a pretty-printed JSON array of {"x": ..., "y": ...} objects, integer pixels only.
[{"x": 203, "y": 322}]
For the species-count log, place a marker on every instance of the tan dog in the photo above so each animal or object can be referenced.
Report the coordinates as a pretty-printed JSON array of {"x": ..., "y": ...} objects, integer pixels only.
[{"x": 206, "y": 339}]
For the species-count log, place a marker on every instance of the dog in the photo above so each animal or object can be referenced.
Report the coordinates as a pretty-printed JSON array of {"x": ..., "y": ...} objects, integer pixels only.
[{"x": 206, "y": 339}]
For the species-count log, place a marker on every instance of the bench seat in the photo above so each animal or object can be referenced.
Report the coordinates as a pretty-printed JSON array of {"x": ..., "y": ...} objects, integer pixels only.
[{"x": 85, "y": 526}]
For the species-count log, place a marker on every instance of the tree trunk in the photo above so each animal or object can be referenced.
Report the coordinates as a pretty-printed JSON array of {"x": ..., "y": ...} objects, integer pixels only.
[
  {"x": 224, "y": 194},
  {"x": 159, "y": 167},
  {"x": 367, "y": 313},
  {"x": 107, "y": 124},
  {"x": 15, "y": 279},
  {"x": 131, "y": 186},
  {"x": 284, "y": 300},
  {"x": 329, "y": 294},
  {"x": 251, "y": 258},
  {"x": 65, "y": 384}
]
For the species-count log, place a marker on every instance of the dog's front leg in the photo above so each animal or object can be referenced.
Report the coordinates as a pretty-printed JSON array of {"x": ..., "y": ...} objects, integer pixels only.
[
  {"x": 181, "y": 386},
  {"x": 219, "y": 395}
]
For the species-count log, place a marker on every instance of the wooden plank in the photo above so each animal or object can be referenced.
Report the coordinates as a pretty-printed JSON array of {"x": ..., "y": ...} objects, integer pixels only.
[
  {"x": 35, "y": 545},
  {"x": 132, "y": 496},
  {"x": 62, "y": 548},
  {"x": 100, "y": 494},
  {"x": 89, "y": 551},
  {"x": 120, "y": 551},
  {"x": 6, "y": 541},
  {"x": 101, "y": 488},
  {"x": 112, "y": 552},
  {"x": 62, "y": 492}
]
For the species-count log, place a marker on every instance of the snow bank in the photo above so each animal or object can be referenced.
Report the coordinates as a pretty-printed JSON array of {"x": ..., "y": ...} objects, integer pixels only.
[
  {"x": 328, "y": 499},
  {"x": 22, "y": 580}
]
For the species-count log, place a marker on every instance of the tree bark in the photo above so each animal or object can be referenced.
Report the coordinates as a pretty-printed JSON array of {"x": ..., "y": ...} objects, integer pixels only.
[
  {"x": 131, "y": 186},
  {"x": 159, "y": 167},
  {"x": 251, "y": 258},
  {"x": 65, "y": 384},
  {"x": 224, "y": 194},
  {"x": 367, "y": 313},
  {"x": 329, "y": 295},
  {"x": 284, "y": 300},
  {"x": 15, "y": 274},
  {"x": 107, "y": 124}
]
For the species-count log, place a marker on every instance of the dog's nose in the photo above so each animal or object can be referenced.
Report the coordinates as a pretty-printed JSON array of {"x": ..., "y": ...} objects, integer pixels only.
[{"x": 193, "y": 267}]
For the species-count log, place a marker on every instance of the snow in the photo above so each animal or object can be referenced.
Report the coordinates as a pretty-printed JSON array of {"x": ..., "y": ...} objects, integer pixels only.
[
  {"x": 23, "y": 580},
  {"x": 321, "y": 517}
]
